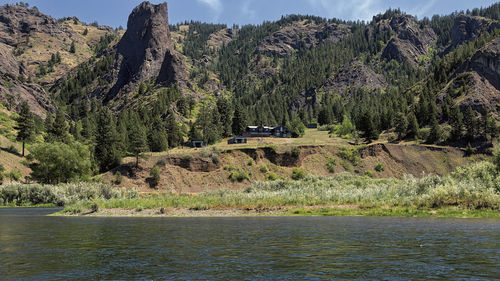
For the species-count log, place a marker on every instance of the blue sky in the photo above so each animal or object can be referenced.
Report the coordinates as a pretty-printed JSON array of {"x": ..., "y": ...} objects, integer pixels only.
[{"x": 115, "y": 12}]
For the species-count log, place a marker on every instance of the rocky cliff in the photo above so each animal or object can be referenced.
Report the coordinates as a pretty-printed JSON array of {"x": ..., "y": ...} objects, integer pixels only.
[
  {"x": 301, "y": 34},
  {"x": 476, "y": 83},
  {"x": 145, "y": 52},
  {"x": 467, "y": 28},
  {"x": 16, "y": 22},
  {"x": 354, "y": 75},
  {"x": 411, "y": 41}
]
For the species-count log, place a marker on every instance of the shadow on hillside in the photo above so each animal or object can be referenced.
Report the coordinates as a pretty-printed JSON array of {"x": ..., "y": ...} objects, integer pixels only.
[{"x": 11, "y": 150}]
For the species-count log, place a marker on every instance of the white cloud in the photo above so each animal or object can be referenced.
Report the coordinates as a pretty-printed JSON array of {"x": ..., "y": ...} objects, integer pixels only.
[
  {"x": 214, "y": 5},
  {"x": 424, "y": 9},
  {"x": 351, "y": 9},
  {"x": 246, "y": 9}
]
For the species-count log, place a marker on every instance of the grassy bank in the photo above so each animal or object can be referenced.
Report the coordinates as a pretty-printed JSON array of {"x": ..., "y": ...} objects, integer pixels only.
[
  {"x": 472, "y": 191},
  {"x": 469, "y": 191}
]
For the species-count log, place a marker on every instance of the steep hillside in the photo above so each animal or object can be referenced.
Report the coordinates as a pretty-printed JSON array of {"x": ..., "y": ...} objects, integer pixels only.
[
  {"x": 157, "y": 85},
  {"x": 411, "y": 41},
  {"x": 36, "y": 50},
  {"x": 301, "y": 34}
]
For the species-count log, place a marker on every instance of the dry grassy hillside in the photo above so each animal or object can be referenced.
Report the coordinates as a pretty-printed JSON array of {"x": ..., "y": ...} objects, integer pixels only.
[{"x": 237, "y": 166}]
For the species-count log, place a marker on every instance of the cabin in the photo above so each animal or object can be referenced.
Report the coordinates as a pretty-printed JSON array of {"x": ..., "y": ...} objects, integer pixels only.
[
  {"x": 312, "y": 126},
  {"x": 197, "y": 144},
  {"x": 266, "y": 131},
  {"x": 258, "y": 131},
  {"x": 237, "y": 140}
]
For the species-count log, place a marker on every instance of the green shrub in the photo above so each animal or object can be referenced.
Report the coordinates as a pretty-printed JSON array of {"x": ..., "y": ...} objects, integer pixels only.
[
  {"x": 239, "y": 176},
  {"x": 271, "y": 176},
  {"x": 155, "y": 177},
  {"x": 60, "y": 195},
  {"x": 346, "y": 129},
  {"x": 345, "y": 164},
  {"x": 369, "y": 173},
  {"x": 424, "y": 133},
  {"x": 297, "y": 128},
  {"x": 14, "y": 175},
  {"x": 330, "y": 164},
  {"x": 298, "y": 174},
  {"x": 59, "y": 162},
  {"x": 229, "y": 168},
  {"x": 215, "y": 158},
  {"x": 328, "y": 128},
  {"x": 250, "y": 162},
  {"x": 349, "y": 154},
  {"x": 379, "y": 167},
  {"x": 496, "y": 158},
  {"x": 263, "y": 169},
  {"x": 118, "y": 177}
]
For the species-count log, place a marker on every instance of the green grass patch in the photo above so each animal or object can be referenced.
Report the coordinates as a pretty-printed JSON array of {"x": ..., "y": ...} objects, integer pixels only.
[{"x": 450, "y": 212}]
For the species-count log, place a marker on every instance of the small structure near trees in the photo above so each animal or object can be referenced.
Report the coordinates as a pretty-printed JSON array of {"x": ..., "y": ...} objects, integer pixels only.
[
  {"x": 197, "y": 143},
  {"x": 237, "y": 140}
]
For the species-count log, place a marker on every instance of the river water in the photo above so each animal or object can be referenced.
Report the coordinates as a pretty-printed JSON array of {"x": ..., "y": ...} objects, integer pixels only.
[{"x": 37, "y": 247}]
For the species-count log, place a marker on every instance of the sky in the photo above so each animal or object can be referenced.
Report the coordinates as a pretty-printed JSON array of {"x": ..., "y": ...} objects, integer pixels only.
[{"x": 115, "y": 12}]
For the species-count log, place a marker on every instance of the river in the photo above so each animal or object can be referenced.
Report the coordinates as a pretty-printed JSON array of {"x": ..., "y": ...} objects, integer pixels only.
[{"x": 38, "y": 247}]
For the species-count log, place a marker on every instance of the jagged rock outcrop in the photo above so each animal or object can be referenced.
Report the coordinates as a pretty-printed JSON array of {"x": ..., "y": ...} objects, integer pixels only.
[
  {"x": 145, "y": 51},
  {"x": 478, "y": 80},
  {"x": 221, "y": 38},
  {"x": 17, "y": 21},
  {"x": 411, "y": 41},
  {"x": 301, "y": 34},
  {"x": 486, "y": 62},
  {"x": 354, "y": 75},
  {"x": 38, "y": 99},
  {"x": 467, "y": 28},
  {"x": 9, "y": 66}
]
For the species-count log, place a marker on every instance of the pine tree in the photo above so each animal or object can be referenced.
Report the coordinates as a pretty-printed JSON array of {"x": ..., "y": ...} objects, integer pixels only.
[
  {"x": 175, "y": 136},
  {"x": 59, "y": 129},
  {"x": 194, "y": 133},
  {"x": 239, "y": 120},
  {"x": 225, "y": 112},
  {"x": 72, "y": 48},
  {"x": 401, "y": 125},
  {"x": 107, "y": 150},
  {"x": 368, "y": 127},
  {"x": 456, "y": 118},
  {"x": 157, "y": 136},
  {"x": 25, "y": 125},
  {"x": 413, "y": 128},
  {"x": 137, "y": 139},
  {"x": 435, "y": 133},
  {"x": 491, "y": 127},
  {"x": 470, "y": 121},
  {"x": 49, "y": 120}
]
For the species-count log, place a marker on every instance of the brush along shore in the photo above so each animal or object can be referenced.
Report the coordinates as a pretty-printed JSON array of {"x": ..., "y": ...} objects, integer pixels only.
[{"x": 470, "y": 191}]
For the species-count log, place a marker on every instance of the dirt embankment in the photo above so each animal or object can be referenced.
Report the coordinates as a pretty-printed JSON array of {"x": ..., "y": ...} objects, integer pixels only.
[{"x": 205, "y": 169}]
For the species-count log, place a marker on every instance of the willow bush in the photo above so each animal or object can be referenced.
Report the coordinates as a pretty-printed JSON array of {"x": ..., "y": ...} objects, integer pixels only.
[{"x": 60, "y": 195}]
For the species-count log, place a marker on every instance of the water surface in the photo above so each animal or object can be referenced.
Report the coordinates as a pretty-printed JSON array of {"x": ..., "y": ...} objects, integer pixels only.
[{"x": 36, "y": 247}]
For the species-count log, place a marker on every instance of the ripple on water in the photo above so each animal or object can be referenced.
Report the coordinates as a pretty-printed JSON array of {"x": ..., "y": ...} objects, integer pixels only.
[{"x": 313, "y": 248}]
